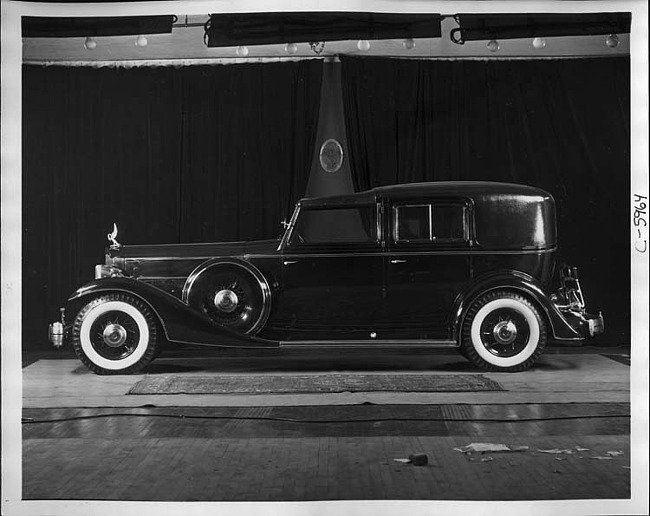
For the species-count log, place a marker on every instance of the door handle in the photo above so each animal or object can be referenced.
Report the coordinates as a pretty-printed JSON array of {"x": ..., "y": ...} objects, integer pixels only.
[
  {"x": 398, "y": 261},
  {"x": 288, "y": 262}
]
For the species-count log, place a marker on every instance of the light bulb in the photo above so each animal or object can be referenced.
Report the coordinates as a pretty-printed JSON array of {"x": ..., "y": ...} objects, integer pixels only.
[
  {"x": 409, "y": 44},
  {"x": 141, "y": 41},
  {"x": 493, "y": 45},
  {"x": 242, "y": 51},
  {"x": 90, "y": 43},
  {"x": 363, "y": 45},
  {"x": 539, "y": 42},
  {"x": 291, "y": 48},
  {"x": 612, "y": 41}
]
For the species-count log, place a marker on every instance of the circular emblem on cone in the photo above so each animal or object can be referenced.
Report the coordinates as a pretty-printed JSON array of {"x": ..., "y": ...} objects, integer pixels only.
[{"x": 331, "y": 156}]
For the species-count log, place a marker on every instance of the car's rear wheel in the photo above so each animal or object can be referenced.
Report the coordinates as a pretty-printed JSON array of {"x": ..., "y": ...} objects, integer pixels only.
[
  {"x": 116, "y": 333},
  {"x": 503, "y": 331},
  {"x": 233, "y": 296}
]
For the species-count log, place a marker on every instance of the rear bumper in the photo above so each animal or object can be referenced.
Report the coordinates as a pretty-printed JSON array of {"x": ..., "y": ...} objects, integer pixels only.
[
  {"x": 583, "y": 324},
  {"x": 570, "y": 303},
  {"x": 596, "y": 324}
]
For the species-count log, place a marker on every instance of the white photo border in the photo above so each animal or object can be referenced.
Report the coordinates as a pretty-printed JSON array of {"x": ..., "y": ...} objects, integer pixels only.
[{"x": 12, "y": 244}]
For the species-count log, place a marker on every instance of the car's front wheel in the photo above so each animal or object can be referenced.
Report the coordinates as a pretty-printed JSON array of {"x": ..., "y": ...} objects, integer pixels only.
[
  {"x": 503, "y": 331},
  {"x": 116, "y": 333}
]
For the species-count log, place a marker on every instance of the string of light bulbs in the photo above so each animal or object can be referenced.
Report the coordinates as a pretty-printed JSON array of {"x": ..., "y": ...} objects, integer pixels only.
[{"x": 363, "y": 45}]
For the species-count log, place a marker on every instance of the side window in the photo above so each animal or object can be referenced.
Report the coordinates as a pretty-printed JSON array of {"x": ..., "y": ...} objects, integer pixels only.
[
  {"x": 339, "y": 225},
  {"x": 421, "y": 223}
]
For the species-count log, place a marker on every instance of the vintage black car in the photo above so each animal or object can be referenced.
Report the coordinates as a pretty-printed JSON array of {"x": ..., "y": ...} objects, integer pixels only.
[{"x": 465, "y": 265}]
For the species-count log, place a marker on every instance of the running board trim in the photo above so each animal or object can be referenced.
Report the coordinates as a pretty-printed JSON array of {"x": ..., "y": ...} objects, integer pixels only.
[{"x": 369, "y": 343}]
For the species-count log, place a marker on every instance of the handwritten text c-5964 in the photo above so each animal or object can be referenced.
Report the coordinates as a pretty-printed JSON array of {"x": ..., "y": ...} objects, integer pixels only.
[{"x": 640, "y": 207}]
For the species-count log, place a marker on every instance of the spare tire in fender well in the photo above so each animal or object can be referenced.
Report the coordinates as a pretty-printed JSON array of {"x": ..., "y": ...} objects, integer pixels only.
[{"x": 231, "y": 292}]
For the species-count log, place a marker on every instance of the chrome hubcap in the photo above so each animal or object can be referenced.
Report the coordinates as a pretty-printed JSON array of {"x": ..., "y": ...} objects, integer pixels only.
[
  {"x": 114, "y": 335},
  {"x": 226, "y": 300},
  {"x": 505, "y": 332}
]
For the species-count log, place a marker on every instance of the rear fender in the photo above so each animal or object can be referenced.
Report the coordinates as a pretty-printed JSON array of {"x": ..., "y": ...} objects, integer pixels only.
[
  {"x": 180, "y": 322},
  {"x": 517, "y": 282}
]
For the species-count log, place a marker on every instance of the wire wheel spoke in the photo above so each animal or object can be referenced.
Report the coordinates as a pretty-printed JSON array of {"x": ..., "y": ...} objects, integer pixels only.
[
  {"x": 236, "y": 307},
  {"x": 231, "y": 295},
  {"x": 114, "y": 335},
  {"x": 505, "y": 332}
]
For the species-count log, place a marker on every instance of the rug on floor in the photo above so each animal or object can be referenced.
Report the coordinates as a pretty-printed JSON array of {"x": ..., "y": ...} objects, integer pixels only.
[{"x": 313, "y": 383}]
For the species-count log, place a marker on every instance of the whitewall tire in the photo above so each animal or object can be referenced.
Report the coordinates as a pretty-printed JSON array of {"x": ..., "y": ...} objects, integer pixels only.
[
  {"x": 116, "y": 333},
  {"x": 503, "y": 331}
]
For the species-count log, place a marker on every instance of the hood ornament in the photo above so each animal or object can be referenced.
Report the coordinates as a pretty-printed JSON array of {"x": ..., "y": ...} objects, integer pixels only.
[{"x": 111, "y": 238}]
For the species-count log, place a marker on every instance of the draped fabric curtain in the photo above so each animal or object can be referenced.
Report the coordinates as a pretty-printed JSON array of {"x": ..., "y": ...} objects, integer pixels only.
[
  {"x": 562, "y": 125},
  {"x": 190, "y": 154}
]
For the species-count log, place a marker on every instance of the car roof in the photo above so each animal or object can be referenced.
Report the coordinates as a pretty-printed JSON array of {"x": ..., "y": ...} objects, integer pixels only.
[{"x": 483, "y": 189}]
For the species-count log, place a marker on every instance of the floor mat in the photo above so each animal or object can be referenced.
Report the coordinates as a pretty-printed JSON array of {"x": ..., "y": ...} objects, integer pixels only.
[{"x": 321, "y": 383}]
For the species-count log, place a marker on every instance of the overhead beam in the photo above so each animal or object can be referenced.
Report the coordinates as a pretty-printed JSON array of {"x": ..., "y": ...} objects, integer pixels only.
[
  {"x": 43, "y": 27},
  {"x": 223, "y": 30},
  {"x": 477, "y": 27}
]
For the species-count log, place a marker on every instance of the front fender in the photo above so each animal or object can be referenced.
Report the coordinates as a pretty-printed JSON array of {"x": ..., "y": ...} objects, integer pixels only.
[
  {"x": 179, "y": 322},
  {"x": 518, "y": 282}
]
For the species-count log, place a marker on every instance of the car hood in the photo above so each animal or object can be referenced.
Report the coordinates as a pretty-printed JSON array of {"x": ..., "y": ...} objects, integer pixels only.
[{"x": 208, "y": 250}]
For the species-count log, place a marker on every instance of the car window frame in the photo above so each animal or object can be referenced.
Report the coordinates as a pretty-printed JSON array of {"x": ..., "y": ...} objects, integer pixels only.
[
  {"x": 398, "y": 243},
  {"x": 289, "y": 246}
]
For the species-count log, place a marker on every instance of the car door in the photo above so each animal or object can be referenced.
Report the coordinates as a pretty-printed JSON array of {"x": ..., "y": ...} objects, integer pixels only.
[
  {"x": 332, "y": 274},
  {"x": 427, "y": 265}
]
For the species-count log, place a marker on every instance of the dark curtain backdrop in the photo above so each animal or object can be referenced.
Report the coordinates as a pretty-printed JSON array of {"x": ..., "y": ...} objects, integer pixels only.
[
  {"x": 190, "y": 154},
  {"x": 562, "y": 125}
]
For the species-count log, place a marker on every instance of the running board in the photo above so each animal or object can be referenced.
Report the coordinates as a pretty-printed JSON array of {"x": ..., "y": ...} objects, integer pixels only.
[{"x": 369, "y": 343}]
